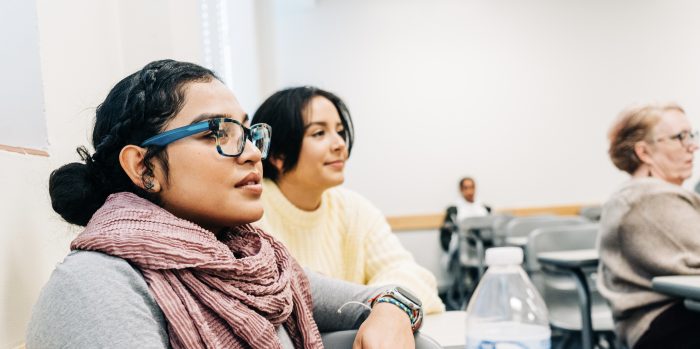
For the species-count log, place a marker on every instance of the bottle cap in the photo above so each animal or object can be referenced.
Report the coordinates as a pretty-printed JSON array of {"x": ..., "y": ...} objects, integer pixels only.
[{"x": 504, "y": 256}]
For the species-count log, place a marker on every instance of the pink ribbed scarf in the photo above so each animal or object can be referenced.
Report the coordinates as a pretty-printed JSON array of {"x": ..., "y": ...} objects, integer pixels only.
[{"x": 229, "y": 293}]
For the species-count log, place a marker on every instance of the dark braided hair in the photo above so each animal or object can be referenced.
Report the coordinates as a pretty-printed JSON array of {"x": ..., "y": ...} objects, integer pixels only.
[{"x": 138, "y": 107}]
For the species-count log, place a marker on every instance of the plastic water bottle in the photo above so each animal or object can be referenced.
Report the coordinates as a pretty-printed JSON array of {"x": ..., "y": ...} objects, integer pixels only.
[{"x": 506, "y": 311}]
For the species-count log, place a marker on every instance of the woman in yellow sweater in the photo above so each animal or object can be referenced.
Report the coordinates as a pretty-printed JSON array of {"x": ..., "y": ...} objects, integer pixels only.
[{"x": 329, "y": 229}]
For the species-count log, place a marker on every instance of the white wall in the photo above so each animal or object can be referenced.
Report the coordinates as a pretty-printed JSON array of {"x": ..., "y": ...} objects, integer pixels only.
[
  {"x": 23, "y": 123},
  {"x": 85, "y": 47},
  {"x": 425, "y": 247},
  {"x": 230, "y": 46},
  {"x": 519, "y": 94}
]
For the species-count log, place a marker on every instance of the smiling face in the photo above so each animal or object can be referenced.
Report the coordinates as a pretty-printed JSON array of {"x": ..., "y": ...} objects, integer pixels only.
[
  {"x": 323, "y": 149},
  {"x": 203, "y": 186},
  {"x": 668, "y": 158}
]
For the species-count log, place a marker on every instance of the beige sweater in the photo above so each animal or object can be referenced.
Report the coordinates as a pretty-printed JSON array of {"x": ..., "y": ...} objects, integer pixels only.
[
  {"x": 648, "y": 228},
  {"x": 346, "y": 238}
]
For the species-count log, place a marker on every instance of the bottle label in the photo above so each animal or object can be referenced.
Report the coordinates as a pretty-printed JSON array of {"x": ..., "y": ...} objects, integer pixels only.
[
  {"x": 507, "y": 335},
  {"x": 475, "y": 343}
]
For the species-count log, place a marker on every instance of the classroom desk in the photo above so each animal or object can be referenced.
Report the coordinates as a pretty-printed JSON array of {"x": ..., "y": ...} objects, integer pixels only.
[
  {"x": 447, "y": 328},
  {"x": 686, "y": 286},
  {"x": 573, "y": 262}
]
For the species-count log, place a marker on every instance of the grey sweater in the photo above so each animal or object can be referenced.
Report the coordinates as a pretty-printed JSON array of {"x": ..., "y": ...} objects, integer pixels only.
[
  {"x": 93, "y": 300},
  {"x": 648, "y": 228}
]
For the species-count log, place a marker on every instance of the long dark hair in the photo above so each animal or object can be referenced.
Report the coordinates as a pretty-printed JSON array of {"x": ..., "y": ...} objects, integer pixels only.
[
  {"x": 284, "y": 112},
  {"x": 136, "y": 108}
]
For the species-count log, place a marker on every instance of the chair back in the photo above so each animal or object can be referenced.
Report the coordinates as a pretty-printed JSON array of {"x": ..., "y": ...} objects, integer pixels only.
[
  {"x": 465, "y": 256},
  {"x": 500, "y": 221},
  {"x": 559, "y": 289},
  {"x": 484, "y": 224},
  {"x": 518, "y": 229},
  {"x": 591, "y": 212},
  {"x": 560, "y": 238}
]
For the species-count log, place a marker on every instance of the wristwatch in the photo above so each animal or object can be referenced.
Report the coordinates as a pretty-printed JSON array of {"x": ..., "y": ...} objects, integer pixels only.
[{"x": 405, "y": 300}]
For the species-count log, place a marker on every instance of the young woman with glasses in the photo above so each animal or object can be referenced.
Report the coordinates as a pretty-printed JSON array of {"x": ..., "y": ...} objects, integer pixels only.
[
  {"x": 168, "y": 257},
  {"x": 651, "y": 227},
  {"x": 327, "y": 228}
]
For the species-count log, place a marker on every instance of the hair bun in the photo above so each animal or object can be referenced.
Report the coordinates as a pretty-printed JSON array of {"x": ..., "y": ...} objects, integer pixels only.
[{"x": 73, "y": 195}]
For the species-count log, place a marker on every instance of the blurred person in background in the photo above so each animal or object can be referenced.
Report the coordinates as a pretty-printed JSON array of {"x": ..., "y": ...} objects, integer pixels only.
[{"x": 466, "y": 206}]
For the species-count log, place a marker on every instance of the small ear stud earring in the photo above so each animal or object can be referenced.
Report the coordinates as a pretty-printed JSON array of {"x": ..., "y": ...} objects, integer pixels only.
[{"x": 148, "y": 185}]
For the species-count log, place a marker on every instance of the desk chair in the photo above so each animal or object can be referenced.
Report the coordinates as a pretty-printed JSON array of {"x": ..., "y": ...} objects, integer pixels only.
[
  {"x": 344, "y": 340},
  {"x": 591, "y": 212},
  {"x": 465, "y": 256},
  {"x": 519, "y": 228},
  {"x": 560, "y": 290},
  {"x": 499, "y": 228},
  {"x": 687, "y": 287},
  {"x": 481, "y": 233}
]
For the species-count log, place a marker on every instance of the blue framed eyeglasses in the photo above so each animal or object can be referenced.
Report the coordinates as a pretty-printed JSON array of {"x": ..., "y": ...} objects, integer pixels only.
[{"x": 230, "y": 135}]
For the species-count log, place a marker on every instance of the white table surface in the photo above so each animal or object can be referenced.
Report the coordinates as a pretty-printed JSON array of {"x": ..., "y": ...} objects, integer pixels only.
[{"x": 446, "y": 328}]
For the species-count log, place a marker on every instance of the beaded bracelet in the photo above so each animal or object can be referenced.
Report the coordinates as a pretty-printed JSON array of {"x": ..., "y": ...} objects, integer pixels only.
[
  {"x": 393, "y": 301},
  {"x": 414, "y": 317}
]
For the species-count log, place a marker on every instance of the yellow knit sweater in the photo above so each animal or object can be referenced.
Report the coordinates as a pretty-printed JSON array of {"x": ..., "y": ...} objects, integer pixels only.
[{"x": 346, "y": 238}]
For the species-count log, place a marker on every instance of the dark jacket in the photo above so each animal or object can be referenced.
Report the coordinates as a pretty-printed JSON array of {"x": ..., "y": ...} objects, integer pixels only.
[{"x": 450, "y": 226}]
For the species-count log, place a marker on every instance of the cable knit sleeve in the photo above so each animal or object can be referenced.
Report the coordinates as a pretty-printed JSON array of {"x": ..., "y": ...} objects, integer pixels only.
[
  {"x": 661, "y": 235},
  {"x": 388, "y": 262}
]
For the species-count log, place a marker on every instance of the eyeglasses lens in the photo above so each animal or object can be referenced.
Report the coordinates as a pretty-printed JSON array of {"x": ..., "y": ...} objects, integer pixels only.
[
  {"x": 260, "y": 136},
  {"x": 231, "y": 138},
  {"x": 689, "y": 138}
]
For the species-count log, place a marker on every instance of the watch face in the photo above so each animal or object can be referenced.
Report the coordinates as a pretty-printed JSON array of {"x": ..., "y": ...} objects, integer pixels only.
[{"x": 409, "y": 295}]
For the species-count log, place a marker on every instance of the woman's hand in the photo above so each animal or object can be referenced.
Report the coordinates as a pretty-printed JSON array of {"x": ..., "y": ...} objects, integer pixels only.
[{"x": 387, "y": 327}]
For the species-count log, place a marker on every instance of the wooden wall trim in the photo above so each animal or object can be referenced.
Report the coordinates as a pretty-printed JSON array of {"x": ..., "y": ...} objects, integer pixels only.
[
  {"x": 415, "y": 222},
  {"x": 22, "y": 150},
  {"x": 433, "y": 221},
  {"x": 560, "y": 210}
]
